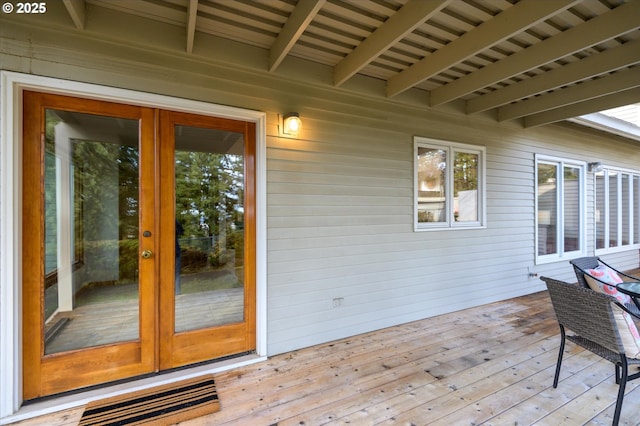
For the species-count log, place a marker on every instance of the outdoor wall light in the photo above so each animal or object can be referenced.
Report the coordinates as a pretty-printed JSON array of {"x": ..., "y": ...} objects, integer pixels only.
[
  {"x": 595, "y": 167},
  {"x": 291, "y": 124}
]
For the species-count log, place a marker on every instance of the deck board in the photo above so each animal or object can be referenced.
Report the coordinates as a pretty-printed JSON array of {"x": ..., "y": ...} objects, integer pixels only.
[{"x": 489, "y": 365}]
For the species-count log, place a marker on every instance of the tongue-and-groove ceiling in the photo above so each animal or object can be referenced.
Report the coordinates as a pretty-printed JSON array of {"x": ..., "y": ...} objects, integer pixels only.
[{"x": 538, "y": 61}]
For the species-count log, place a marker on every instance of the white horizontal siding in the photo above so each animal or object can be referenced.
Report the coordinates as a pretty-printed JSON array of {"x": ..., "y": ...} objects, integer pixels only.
[
  {"x": 330, "y": 237},
  {"x": 340, "y": 198},
  {"x": 366, "y": 252}
]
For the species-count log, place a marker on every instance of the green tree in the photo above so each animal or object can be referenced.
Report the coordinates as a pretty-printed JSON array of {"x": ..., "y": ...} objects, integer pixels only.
[
  {"x": 465, "y": 172},
  {"x": 209, "y": 193}
]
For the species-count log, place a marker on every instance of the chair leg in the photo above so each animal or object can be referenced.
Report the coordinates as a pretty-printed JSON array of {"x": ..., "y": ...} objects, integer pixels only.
[
  {"x": 560, "y": 354},
  {"x": 623, "y": 384}
]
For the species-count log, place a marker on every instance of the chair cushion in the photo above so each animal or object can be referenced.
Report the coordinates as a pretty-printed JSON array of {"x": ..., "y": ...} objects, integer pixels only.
[
  {"x": 628, "y": 332},
  {"x": 608, "y": 276}
]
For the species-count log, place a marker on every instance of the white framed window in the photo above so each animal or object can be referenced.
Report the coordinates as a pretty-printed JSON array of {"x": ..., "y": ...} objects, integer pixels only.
[
  {"x": 617, "y": 209},
  {"x": 560, "y": 208},
  {"x": 449, "y": 185}
]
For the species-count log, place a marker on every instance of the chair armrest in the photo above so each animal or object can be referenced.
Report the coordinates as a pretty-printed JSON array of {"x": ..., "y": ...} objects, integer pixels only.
[
  {"x": 634, "y": 313},
  {"x": 619, "y": 272}
]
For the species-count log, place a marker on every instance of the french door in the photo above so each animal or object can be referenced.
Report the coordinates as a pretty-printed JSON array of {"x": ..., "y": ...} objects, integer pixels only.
[{"x": 138, "y": 241}]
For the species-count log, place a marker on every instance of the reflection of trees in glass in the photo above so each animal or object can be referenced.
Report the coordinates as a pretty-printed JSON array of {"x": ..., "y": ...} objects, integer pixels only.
[
  {"x": 465, "y": 172},
  {"x": 433, "y": 181},
  {"x": 50, "y": 205},
  {"x": 465, "y": 186},
  {"x": 106, "y": 188},
  {"x": 432, "y": 165},
  {"x": 209, "y": 202},
  {"x": 546, "y": 173},
  {"x": 95, "y": 162},
  {"x": 547, "y": 208},
  {"x": 431, "y": 169},
  {"x": 571, "y": 173},
  {"x": 103, "y": 199}
]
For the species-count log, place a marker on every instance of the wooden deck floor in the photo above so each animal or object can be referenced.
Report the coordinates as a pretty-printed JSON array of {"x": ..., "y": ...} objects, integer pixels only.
[{"x": 490, "y": 365}]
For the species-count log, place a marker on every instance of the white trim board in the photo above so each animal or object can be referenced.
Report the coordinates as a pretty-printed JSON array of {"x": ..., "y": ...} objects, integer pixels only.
[{"x": 11, "y": 86}]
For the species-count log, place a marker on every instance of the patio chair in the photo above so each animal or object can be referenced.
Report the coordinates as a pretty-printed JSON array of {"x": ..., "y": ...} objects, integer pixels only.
[
  {"x": 582, "y": 265},
  {"x": 598, "y": 324}
]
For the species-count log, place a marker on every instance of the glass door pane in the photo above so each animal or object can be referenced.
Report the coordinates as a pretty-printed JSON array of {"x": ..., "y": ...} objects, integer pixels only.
[
  {"x": 209, "y": 228},
  {"x": 91, "y": 187}
]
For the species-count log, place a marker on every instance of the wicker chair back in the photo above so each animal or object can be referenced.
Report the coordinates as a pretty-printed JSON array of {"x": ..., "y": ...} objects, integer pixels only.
[{"x": 589, "y": 315}]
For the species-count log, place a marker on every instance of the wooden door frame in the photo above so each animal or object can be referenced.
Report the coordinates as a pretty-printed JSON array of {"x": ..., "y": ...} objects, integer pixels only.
[
  {"x": 43, "y": 374},
  {"x": 188, "y": 347},
  {"x": 11, "y": 86}
]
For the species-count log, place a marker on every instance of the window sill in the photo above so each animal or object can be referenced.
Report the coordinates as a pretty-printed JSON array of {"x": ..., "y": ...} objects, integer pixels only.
[{"x": 449, "y": 228}]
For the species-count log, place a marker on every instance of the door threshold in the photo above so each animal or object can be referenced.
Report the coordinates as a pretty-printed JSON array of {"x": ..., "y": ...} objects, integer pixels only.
[{"x": 76, "y": 399}]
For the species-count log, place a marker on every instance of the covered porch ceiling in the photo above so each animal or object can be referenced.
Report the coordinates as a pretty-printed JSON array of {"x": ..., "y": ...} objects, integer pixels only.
[{"x": 530, "y": 60}]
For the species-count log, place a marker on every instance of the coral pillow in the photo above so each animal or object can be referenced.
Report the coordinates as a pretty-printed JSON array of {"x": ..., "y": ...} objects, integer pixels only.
[
  {"x": 628, "y": 332},
  {"x": 608, "y": 279}
]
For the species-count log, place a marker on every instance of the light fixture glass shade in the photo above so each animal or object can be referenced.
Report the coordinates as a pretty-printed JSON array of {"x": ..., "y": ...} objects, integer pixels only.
[{"x": 291, "y": 123}]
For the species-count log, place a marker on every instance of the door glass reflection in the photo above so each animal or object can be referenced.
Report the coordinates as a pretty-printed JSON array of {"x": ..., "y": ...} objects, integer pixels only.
[
  {"x": 91, "y": 231},
  {"x": 209, "y": 229}
]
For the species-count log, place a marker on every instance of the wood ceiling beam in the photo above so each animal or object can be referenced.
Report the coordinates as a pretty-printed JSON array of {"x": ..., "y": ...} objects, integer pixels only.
[
  {"x": 192, "y": 14},
  {"x": 613, "y": 83},
  {"x": 504, "y": 25},
  {"x": 297, "y": 23},
  {"x": 618, "y": 21},
  {"x": 608, "y": 61},
  {"x": 76, "y": 9},
  {"x": 614, "y": 100},
  {"x": 404, "y": 21}
]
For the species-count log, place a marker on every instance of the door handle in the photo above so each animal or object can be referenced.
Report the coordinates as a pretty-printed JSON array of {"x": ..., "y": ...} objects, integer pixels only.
[{"x": 146, "y": 254}]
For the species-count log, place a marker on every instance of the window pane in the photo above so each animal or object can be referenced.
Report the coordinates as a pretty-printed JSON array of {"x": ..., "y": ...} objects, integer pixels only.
[
  {"x": 600, "y": 212},
  {"x": 613, "y": 209},
  {"x": 547, "y": 209},
  {"x": 571, "y": 209},
  {"x": 91, "y": 288},
  {"x": 465, "y": 187},
  {"x": 626, "y": 205},
  {"x": 431, "y": 185},
  {"x": 209, "y": 262},
  {"x": 636, "y": 210}
]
